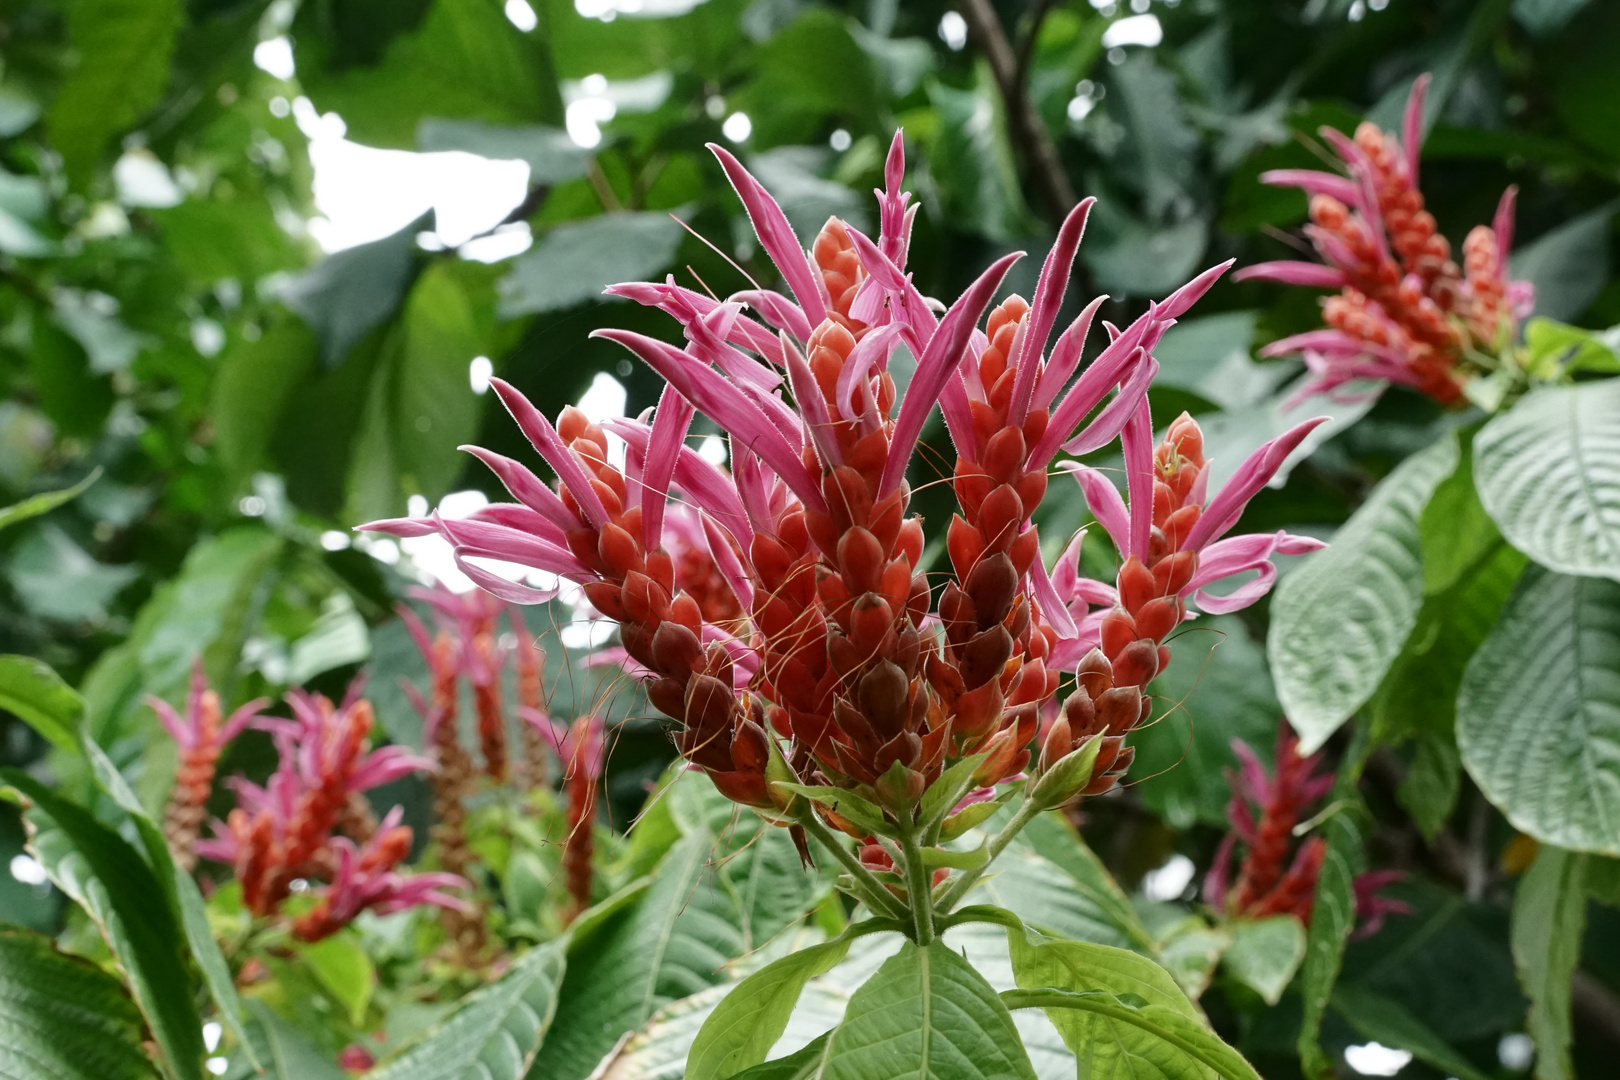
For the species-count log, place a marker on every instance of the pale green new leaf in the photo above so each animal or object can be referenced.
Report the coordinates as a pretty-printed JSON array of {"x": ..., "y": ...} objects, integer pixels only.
[
  {"x": 1340, "y": 620},
  {"x": 45, "y": 501},
  {"x": 1265, "y": 953},
  {"x": 495, "y": 1032},
  {"x": 1538, "y": 712},
  {"x": 1549, "y": 914},
  {"x": 33, "y": 691},
  {"x": 1548, "y": 472},
  {"x": 64, "y": 1018}
]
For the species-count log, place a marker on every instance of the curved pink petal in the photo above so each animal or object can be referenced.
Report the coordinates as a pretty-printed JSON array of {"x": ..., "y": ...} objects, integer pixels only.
[{"x": 776, "y": 236}]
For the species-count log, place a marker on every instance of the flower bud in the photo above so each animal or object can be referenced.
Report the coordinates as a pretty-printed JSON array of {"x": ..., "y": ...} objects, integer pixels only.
[{"x": 1065, "y": 778}]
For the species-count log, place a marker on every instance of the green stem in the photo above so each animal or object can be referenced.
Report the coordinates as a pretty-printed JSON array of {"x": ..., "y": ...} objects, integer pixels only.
[
  {"x": 876, "y": 897},
  {"x": 998, "y": 843},
  {"x": 918, "y": 886}
]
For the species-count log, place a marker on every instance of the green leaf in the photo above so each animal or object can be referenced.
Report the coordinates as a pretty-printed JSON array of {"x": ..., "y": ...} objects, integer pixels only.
[
  {"x": 345, "y": 970},
  {"x": 45, "y": 501},
  {"x": 1554, "y": 348},
  {"x": 255, "y": 382},
  {"x": 286, "y": 1054},
  {"x": 464, "y": 59},
  {"x": 1333, "y": 916},
  {"x": 1548, "y": 472},
  {"x": 1429, "y": 790},
  {"x": 926, "y": 1014},
  {"x": 752, "y": 1016},
  {"x": 64, "y": 1018},
  {"x": 495, "y": 1032},
  {"x": 1549, "y": 915},
  {"x": 1339, "y": 621},
  {"x": 99, "y": 871},
  {"x": 943, "y": 794},
  {"x": 1216, "y": 689},
  {"x": 573, "y": 263},
  {"x": 804, "y": 1064},
  {"x": 1545, "y": 17},
  {"x": 123, "y": 50},
  {"x": 670, "y": 943},
  {"x": 348, "y": 293},
  {"x": 31, "y": 690},
  {"x": 1055, "y": 883},
  {"x": 972, "y": 159},
  {"x": 844, "y": 803},
  {"x": 1568, "y": 264},
  {"x": 1386, "y": 1021},
  {"x": 183, "y": 895},
  {"x": 1538, "y": 712},
  {"x": 1265, "y": 953},
  {"x": 1146, "y": 1041}
]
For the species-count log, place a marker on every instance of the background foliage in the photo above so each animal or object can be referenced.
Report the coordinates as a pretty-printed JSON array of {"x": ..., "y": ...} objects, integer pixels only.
[{"x": 171, "y": 325}]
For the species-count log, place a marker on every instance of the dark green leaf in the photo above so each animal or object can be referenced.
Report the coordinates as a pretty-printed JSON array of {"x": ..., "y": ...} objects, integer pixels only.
[
  {"x": 286, "y": 1054},
  {"x": 64, "y": 1018},
  {"x": 349, "y": 292},
  {"x": 1388, "y": 1023},
  {"x": 1568, "y": 264},
  {"x": 37, "y": 694},
  {"x": 1333, "y": 916},
  {"x": 1548, "y": 472},
  {"x": 104, "y": 875},
  {"x": 1538, "y": 711},
  {"x": 573, "y": 263},
  {"x": 804, "y": 1064},
  {"x": 1339, "y": 621},
  {"x": 495, "y": 1032},
  {"x": 256, "y": 380}
]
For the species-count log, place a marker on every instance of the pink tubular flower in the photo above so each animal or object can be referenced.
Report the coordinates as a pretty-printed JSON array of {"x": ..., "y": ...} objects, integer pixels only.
[
  {"x": 812, "y": 637},
  {"x": 1263, "y": 813},
  {"x": 200, "y": 736},
  {"x": 1405, "y": 312},
  {"x": 581, "y": 751}
]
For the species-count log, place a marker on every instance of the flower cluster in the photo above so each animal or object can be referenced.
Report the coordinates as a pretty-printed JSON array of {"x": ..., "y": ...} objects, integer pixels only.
[
  {"x": 199, "y": 736},
  {"x": 1405, "y": 311},
  {"x": 1267, "y": 882},
  {"x": 286, "y": 832},
  {"x": 825, "y": 658}
]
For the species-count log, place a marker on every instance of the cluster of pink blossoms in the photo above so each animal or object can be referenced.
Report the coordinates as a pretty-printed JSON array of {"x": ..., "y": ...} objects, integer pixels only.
[{"x": 838, "y": 661}]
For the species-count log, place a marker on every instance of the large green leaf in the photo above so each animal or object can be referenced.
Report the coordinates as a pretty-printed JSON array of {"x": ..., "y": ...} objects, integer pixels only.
[
  {"x": 573, "y": 263},
  {"x": 1265, "y": 953},
  {"x": 1568, "y": 263},
  {"x": 183, "y": 895},
  {"x": 103, "y": 874},
  {"x": 1333, "y": 916},
  {"x": 255, "y": 381},
  {"x": 926, "y": 1014},
  {"x": 748, "y": 1021},
  {"x": 285, "y": 1053},
  {"x": 123, "y": 49},
  {"x": 348, "y": 293},
  {"x": 1549, "y": 915},
  {"x": 1548, "y": 472},
  {"x": 1386, "y": 1021},
  {"x": 1143, "y": 1041},
  {"x": 673, "y": 941},
  {"x": 494, "y": 1033},
  {"x": 1538, "y": 712},
  {"x": 1340, "y": 620},
  {"x": 64, "y": 1018},
  {"x": 30, "y": 689}
]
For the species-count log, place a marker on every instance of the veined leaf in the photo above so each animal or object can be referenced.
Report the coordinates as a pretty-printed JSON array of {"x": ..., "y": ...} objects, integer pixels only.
[
  {"x": 926, "y": 1014},
  {"x": 573, "y": 263},
  {"x": 104, "y": 875},
  {"x": 1340, "y": 620},
  {"x": 1333, "y": 916},
  {"x": 1538, "y": 711},
  {"x": 1549, "y": 914},
  {"x": 495, "y": 1032},
  {"x": 286, "y": 1054},
  {"x": 64, "y": 1018},
  {"x": 34, "y": 691},
  {"x": 1548, "y": 472},
  {"x": 1147, "y": 1041}
]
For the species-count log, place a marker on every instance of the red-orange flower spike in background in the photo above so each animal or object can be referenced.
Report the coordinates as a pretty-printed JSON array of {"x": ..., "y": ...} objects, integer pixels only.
[
  {"x": 1405, "y": 312},
  {"x": 200, "y": 735}
]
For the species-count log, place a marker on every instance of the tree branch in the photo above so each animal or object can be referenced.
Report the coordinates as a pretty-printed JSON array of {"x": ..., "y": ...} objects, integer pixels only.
[{"x": 1029, "y": 135}]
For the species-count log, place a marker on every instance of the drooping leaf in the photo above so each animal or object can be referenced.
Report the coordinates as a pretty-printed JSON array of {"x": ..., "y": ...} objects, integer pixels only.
[
  {"x": 573, "y": 263},
  {"x": 64, "y": 1018},
  {"x": 99, "y": 871},
  {"x": 30, "y": 689},
  {"x": 1340, "y": 619},
  {"x": 1333, "y": 916},
  {"x": 1567, "y": 264},
  {"x": 123, "y": 49},
  {"x": 1548, "y": 472},
  {"x": 45, "y": 501},
  {"x": 1538, "y": 711},
  {"x": 1265, "y": 953},
  {"x": 1549, "y": 914},
  {"x": 494, "y": 1032},
  {"x": 284, "y": 1052},
  {"x": 1387, "y": 1022},
  {"x": 348, "y": 293},
  {"x": 926, "y": 1014}
]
